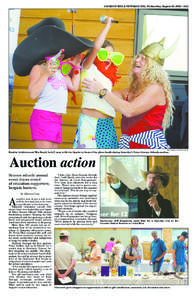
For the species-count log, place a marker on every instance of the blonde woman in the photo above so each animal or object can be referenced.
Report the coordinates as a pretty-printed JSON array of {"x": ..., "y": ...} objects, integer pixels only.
[{"x": 147, "y": 109}]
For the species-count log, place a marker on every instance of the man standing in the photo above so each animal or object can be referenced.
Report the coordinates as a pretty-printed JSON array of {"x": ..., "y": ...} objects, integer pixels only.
[
  {"x": 96, "y": 255},
  {"x": 178, "y": 253},
  {"x": 65, "y": 259},
  {"x": 158, "y": 250},
  {"x": 151, "y": 204}
]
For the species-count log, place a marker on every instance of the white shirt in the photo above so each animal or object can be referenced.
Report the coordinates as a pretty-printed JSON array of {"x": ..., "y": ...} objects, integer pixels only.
[
  {"x": 54, "y": 95},
  {"x": 64, "y": 253},
  {"x": 93, "y": 101}
]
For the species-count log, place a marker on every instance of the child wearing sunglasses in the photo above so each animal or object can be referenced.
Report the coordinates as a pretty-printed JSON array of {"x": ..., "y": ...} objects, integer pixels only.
[
  {"x": 95, "y": 126},
  {"x": 50, "y": 81}
]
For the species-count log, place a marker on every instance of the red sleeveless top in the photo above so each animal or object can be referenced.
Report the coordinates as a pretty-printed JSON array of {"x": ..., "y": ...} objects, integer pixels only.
[{"x": 149, "y": 120}]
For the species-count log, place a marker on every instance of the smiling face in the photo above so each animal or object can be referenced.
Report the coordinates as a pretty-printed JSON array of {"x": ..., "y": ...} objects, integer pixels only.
[{"x": 139, "y": 65}]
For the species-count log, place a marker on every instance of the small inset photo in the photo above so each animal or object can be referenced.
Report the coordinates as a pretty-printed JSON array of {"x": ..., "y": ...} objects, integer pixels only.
[{"x": 139, "y": 186}]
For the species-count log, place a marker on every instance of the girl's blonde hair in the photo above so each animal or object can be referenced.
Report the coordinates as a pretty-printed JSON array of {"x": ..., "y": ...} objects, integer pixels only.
[{"x": 153, "y": 73}]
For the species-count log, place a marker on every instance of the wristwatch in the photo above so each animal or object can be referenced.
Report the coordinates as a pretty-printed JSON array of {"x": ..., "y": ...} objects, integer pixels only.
[{"x": 103, "y": 93}]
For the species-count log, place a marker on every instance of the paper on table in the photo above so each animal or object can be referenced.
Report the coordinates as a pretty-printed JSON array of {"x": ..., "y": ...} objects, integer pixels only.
[{"x": 65, "y": 280}]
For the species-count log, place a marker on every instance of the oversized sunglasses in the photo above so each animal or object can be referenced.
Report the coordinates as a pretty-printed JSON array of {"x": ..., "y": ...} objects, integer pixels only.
[
  {"x": 65, "y": 67},
  {"x": 115, "y": 57}
]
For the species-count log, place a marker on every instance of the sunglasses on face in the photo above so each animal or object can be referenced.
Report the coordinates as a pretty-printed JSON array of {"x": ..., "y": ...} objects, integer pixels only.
[
  {"x": 115, "y": 57},
  {"x": 65, "y": 67}
]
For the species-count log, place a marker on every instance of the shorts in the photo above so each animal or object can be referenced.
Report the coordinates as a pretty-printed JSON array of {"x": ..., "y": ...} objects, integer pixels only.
[
  {"x": 46, "y": 126},
  {"x": 95, "y": 133}
]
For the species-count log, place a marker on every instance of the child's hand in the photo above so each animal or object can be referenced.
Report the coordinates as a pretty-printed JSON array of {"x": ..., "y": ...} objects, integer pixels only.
[
  {"x": 76, "y": 60},
  {"x": 51, "y": 69},
  {"x": 109, "y": 21}
]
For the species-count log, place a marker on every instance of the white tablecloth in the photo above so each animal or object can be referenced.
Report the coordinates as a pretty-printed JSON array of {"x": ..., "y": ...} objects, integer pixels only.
[
  {"x": 83, "y": 279},
  {"x": 144, "y": 267}
]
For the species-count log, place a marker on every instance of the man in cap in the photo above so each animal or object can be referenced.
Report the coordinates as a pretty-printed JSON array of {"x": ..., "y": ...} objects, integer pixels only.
[
  {"x": 65, "y": 259},
  {"x": 96, "y": 254},
  {"x": 158, "y": 250},
  {"x": 151, "y": 204},
  {"x": 178, "y": 253}
]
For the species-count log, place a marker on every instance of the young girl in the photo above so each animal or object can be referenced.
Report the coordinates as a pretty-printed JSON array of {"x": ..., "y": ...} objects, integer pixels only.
[
  {"x": 95, "y": 127},
  {"x": 47, "y": 83}
]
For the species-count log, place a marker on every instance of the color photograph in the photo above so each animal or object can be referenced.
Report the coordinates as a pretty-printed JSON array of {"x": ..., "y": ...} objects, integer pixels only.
[
  {"x": 98, "y": 78},
  {"x": 139, "y": 187},
  {"x": 121, "y": 257}
]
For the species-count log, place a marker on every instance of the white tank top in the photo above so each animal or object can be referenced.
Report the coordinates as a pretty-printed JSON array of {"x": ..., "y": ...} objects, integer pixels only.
[
  {"x": 93, "y": 101},
  {"x": 54, "y": 95}
]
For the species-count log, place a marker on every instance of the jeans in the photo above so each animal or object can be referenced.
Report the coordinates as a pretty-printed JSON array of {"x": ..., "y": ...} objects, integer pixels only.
[
  {"x": 179, "y": 268},
  {"x": 157, "y": 265}
]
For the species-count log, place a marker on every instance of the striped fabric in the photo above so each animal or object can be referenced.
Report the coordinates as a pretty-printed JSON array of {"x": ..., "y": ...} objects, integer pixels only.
[{"x": 154, "y": 139}]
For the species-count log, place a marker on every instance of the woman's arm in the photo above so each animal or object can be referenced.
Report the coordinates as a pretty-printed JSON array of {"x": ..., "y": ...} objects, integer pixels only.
[
  {"x": 38, "y": 78},
  {"x": 153, "y": 95},
  {"x": 97, "y": 45},
  {"x": 131, "y": 257}
]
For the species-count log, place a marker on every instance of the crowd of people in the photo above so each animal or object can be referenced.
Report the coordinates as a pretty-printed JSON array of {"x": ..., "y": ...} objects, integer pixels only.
[{"x": 117, "y": 255}]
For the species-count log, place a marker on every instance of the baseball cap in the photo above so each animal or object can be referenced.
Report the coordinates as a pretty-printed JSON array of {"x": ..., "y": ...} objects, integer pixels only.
[
  {"x": 64, "y": 233},
  {"x": 185, "y": 234}
]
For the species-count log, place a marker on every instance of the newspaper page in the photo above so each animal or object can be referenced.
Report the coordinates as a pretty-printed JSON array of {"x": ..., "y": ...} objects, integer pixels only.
[{"x": 98, "y": 195}]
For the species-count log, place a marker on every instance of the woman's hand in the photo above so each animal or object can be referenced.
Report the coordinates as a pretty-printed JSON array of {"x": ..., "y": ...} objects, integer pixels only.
[
  {"x": 91, "y": 86},
  {"x": 138, "y": 257}
]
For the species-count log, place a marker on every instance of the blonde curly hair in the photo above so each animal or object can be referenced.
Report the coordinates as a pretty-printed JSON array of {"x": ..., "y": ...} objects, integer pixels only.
[{"x": 153, "y": 73}]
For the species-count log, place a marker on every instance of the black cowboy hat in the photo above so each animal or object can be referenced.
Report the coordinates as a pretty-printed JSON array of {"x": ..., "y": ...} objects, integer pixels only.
[{"x": 46, "y": 38}]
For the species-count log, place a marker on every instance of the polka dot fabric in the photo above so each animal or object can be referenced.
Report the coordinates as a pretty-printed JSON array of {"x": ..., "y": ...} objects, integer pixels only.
[{"x": 106, "y": 137}]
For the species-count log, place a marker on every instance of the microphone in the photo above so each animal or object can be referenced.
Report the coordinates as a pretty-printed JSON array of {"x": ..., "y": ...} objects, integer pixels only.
[
  {"x": 103, "y": 20},
  {"x": 152, "y": 194}
]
